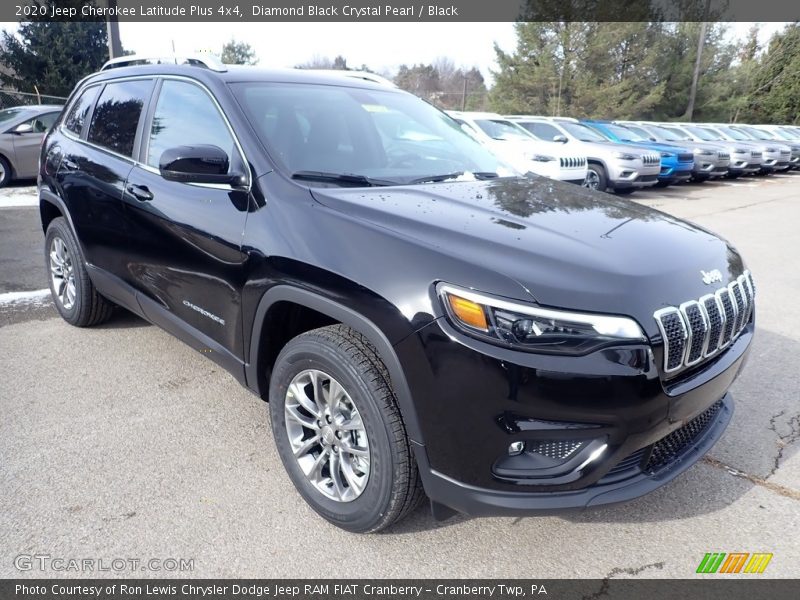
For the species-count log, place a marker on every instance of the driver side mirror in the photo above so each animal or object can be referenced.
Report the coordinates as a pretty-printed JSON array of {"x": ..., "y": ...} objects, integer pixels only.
[
  {"x": 203, "y": 163},
  {"x": 652, "y": 139},
  {"x": 23, "y": 128},
  {"x": 561, "y": 139}
]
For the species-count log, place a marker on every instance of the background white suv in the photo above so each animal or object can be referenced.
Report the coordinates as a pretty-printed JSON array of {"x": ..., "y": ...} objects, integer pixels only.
[{"x": 523, "y": 150}]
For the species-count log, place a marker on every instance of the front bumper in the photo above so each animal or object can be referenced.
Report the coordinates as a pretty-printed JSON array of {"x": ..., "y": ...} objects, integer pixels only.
[
  {"x": 474, "y": 400},
  {"x": 632, "y": 482}
]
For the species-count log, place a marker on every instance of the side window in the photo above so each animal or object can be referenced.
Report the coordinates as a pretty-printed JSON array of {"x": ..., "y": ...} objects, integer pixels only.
[
  {"x": 186, "y": 115},
  {"x": 116, "y": 116},
  {"x": 544, "y": 131},
  {"x": 80, "y": 109},
  {"x": 43, "y": 123}
]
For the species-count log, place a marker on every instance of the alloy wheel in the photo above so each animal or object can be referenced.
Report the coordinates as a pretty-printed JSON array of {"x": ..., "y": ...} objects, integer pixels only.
[
  {"x": 592, "y": 180},
  {"x": 327, "y": 435},
  {"x": 62, "y": 273}
]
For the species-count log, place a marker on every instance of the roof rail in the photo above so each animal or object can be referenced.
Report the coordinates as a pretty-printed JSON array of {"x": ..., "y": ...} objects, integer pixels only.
[
  {"x": 363, "y": 75},
  {"x": 209, "y": 61}
]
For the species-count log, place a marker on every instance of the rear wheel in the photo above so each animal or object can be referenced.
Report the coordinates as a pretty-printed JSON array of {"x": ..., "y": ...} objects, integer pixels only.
[
  {"x": 74, "y": 294},
  {"x": 596, "y": 178},
  {"x": 339, "y": 431}
]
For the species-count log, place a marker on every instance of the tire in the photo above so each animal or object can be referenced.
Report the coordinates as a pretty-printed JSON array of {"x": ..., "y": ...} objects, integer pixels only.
[
  {"x": 596, "y": 178},
  {"x": 392, "y": 487},
  {"x": 74, "y": 294},
  {"x": 5, "y": 172}
]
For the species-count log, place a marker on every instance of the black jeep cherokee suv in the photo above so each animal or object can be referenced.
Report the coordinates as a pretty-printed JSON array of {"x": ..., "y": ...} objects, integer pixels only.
[{"x": 419, "y": 317}]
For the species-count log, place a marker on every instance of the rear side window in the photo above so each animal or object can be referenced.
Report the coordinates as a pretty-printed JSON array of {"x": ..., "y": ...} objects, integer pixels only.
[
  {"x": 116, "y": 116},
  {"x": 186, "y": 115},
  {"x": 80, "y": 109}
]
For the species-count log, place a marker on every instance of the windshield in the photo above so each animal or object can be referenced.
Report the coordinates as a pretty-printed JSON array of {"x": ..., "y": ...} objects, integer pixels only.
[
  {"x": 582, "y": 132},
  {"x": 11, "y": 113},
  {"x": 625, "y": 134},
  {"x": 702, "y": 134},
  {"x": 670, "y": 135},
  {"x": 756, "y": 133},
  {"x": 502, "y": 130},
  {"x": 682, "y": 135},
  {"x": 783, "y": 134},
  {"x": 641, "y": 132},
  {"x": 383, "y": 135},
  {"x": 737, "y": 135}
]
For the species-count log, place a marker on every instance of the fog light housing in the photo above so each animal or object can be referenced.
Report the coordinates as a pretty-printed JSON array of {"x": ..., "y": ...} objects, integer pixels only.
[{"x": 516, "y": 448}]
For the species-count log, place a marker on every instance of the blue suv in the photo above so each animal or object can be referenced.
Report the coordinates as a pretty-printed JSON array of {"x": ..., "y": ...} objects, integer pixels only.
[{"x": 677, "y": 162}]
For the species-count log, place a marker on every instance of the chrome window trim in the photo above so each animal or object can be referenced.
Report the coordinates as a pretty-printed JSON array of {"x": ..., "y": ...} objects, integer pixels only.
[{"x": 718, "y": 294}]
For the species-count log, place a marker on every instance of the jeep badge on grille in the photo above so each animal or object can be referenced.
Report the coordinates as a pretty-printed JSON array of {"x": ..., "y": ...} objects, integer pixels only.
[{"x": 710, "y": 277}]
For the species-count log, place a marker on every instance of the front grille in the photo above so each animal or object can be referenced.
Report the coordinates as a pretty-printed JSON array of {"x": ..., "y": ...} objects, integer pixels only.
[
  {"x": 754, "y": 154},
  {"x": 723, "y": 156},
  {"x": 572, "y": 162},
  {"x": 651, "y": 159},
  {"x": 667, "y": 448},
  {"x": 786, "y": 152},
  {"x": 630, "y": 463},
  {"x": 556, "y": 449},
  {"x": 700, "y": 328},
  {"x": 686, "y": 157}
]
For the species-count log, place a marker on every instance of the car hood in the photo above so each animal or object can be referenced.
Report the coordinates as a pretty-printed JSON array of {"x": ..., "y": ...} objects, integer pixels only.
[{"x": 566, "y": 246}]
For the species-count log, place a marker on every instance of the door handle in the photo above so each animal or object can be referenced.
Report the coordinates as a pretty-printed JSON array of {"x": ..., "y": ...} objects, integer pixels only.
[
  {"x": 69, "y": 165},
  {"x": 140, "y": 192}
]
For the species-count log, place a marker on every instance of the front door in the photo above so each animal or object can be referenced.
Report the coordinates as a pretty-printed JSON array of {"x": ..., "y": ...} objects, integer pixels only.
[{"x": 185, "y": 257}]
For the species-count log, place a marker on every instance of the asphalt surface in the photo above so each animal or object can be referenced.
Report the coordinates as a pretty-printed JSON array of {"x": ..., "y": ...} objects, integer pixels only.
[{"x": 121, "y": 442}]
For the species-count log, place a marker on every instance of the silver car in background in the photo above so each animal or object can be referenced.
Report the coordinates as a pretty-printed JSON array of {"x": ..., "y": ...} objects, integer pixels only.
[
  {"x": 774, "y": 156},
  {"x": 710, "y": 159},
  {"x": 622, "y": 168},
  {"x": 21, "y": 131}
]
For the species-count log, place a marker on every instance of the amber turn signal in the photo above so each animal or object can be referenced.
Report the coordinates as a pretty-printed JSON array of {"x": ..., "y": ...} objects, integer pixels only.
[{"x": 468, "y": 312}]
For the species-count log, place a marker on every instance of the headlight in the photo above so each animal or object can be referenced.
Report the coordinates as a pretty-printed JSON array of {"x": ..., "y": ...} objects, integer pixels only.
[
  {"x": 667, "y": 155},
  {"x": 540, "y": 157},
  {"x": 529, "y": 327},
  {"x": 625, "y": 156}
]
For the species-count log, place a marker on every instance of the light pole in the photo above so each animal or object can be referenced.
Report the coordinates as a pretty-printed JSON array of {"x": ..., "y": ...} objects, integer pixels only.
[{"x": 112, "y": 28}]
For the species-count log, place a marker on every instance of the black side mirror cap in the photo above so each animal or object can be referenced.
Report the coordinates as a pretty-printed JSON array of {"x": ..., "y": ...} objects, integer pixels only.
[{"x": 201, "y": 163}]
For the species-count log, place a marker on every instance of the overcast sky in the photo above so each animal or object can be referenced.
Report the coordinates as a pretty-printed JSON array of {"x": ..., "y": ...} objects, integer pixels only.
[
  {"x": 378, "y": 45},
  {"x": 381, "y": 46}
]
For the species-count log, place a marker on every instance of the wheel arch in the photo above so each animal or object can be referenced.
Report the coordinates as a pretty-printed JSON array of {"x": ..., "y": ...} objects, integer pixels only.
[
  {"x": 325, "y": 311},
  {"x": 12, "y": 168}
]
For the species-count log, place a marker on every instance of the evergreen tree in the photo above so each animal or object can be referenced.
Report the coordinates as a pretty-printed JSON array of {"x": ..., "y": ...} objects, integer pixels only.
[
  {"x": 52, "y": 56},
  {"x": 238, "y": 53}
]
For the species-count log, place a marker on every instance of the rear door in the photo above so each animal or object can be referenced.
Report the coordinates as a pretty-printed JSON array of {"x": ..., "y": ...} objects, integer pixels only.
[
  {"x": 27, "y": 145},
  {"x": 101, "y": 132},
  {"x": 185, "y": 257}
]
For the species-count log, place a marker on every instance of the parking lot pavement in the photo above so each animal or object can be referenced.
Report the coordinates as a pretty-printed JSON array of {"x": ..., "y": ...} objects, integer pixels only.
[{"x": 119, "y": 441}]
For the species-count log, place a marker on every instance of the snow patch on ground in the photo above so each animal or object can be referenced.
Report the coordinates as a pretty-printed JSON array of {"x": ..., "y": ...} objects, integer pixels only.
[{"x": 32, "y": 297}]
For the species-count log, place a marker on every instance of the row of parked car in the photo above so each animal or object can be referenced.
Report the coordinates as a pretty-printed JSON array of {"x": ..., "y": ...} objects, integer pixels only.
[
  {"x": 622, "y": 156},
  {"x": 21, "y": 131}
]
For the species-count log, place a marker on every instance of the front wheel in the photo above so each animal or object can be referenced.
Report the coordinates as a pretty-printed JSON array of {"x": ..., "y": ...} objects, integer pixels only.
[
  {"x": 5, "y": 172},
  {"x": 339, "y": 432},
  {"x": 596, "y": 178}
]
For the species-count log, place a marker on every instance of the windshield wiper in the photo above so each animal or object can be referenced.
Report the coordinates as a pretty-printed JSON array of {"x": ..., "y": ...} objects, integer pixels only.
[
  {"x": 343, "y": 178},
  {"x": 455, "y": 175}
]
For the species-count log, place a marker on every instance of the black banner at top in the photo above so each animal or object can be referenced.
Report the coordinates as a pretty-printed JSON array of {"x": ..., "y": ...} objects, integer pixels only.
[{"x": 399, "y": 10}]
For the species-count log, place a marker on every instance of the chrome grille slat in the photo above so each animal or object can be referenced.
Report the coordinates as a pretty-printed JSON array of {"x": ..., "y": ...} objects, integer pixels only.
[{"x": 700, "y": 328}]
